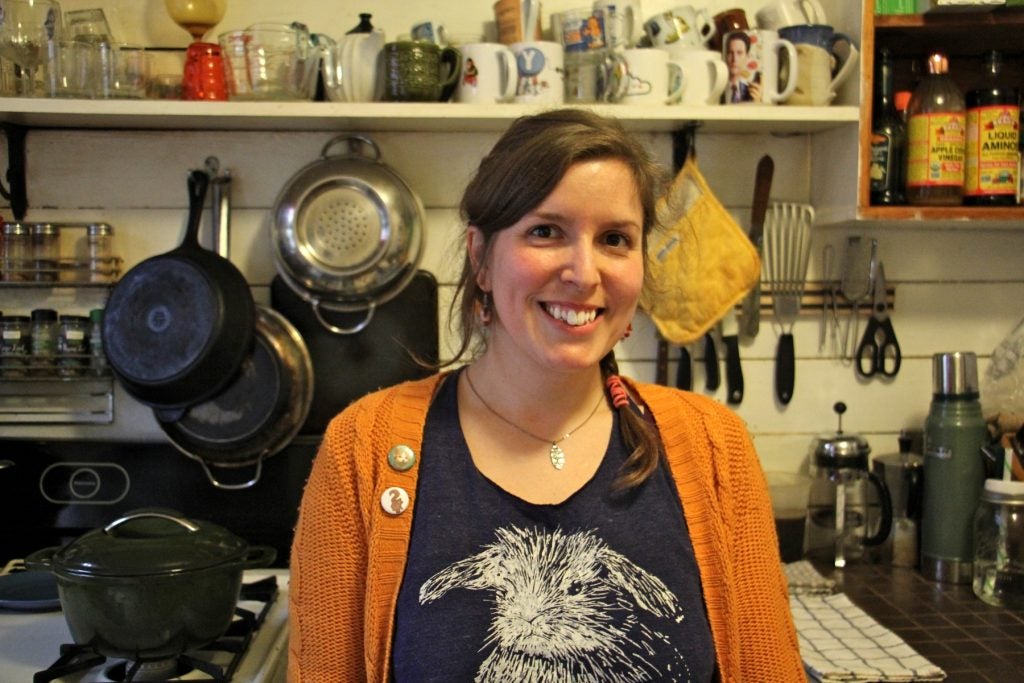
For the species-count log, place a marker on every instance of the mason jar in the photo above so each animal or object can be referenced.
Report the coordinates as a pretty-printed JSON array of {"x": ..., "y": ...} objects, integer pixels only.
[{"x": 999, "y": 544}]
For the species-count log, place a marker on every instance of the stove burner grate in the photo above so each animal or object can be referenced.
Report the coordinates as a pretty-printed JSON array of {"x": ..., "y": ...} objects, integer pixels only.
[{"x": 235, "y": 641}]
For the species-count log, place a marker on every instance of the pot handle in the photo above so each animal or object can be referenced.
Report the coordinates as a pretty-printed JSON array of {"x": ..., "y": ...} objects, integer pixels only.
[
  {"x": 357, "y": 145},
  {"x": 358, "y": 327},
  {"x": 187, "y": 524},
  {"x": 885, "y": 525},
  {"x": 41, "y": 560},
  {"x": 224, "y": 486},
  {"x": 259, "y": 556}
]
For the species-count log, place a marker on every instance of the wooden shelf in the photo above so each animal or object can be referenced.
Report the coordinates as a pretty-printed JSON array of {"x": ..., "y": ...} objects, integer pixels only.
[
  {"x": 1012, "y": 215},
  {"x": 403, "y": 116}
]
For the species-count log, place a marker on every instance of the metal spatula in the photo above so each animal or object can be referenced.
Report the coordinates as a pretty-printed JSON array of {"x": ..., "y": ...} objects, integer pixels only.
[{"x": 787, "y": 248}]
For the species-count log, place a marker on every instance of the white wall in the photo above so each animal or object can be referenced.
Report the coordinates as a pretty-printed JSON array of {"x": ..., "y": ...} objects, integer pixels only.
[{"x": 957, "y": 287}]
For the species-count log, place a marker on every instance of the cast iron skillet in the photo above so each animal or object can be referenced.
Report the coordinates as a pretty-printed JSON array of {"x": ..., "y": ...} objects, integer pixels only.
[
  {"x": 259, "y": 411},
  {"x": 178, "y": 325}
]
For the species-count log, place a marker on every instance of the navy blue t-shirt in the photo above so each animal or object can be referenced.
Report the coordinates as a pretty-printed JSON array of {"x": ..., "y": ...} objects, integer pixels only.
[{"x": 601, "y": 587}]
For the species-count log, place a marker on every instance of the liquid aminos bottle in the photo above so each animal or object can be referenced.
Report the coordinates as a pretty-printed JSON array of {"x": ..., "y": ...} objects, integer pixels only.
[
  {"x": 888, "y": 138},
  {"x": 936, "y": 131},
  {"x": 993, "y": 136}
]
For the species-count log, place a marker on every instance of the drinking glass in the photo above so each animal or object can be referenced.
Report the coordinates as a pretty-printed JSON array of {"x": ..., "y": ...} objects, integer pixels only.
[
  {"x": 28, "y": 31},
  {"x": 88, "y": 25}
]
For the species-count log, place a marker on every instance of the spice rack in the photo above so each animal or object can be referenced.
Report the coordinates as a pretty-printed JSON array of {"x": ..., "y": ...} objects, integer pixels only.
[{"x": 69, "y": 388}]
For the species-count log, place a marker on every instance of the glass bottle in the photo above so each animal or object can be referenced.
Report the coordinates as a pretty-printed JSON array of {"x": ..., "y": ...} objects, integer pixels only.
[
  {"x": 97, "y": 357},
  {"x": 954, "y": 433},
  {"x": 888, "y": 137},
  {"x": 936, "y": 130},
  {"x": 44, "y": 342},
  {"x": 993, "y": 117}
]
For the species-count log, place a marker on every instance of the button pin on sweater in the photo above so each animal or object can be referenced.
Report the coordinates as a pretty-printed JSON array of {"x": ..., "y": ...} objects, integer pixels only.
[
  {"x": 394, "y": 500},
  {"x": 401, "y": 458}
]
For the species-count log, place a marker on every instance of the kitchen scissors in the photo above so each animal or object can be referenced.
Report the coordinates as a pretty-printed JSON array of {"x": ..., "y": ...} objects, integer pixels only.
[{"x": 878, "y": 351}]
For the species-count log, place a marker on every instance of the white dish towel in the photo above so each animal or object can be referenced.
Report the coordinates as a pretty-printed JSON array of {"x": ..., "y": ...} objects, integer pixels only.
[{"x": 840, "y": 642}]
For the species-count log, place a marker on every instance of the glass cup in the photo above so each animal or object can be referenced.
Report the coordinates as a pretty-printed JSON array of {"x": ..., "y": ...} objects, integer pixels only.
[{"x": 204, "y": 73}]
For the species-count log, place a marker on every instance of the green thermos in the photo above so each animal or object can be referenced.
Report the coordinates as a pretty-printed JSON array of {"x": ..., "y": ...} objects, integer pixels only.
[{"x": 954, "y": 433}]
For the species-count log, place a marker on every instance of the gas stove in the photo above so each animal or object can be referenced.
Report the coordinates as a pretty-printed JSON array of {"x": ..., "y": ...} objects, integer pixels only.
[{"x": 37, "y": 646}]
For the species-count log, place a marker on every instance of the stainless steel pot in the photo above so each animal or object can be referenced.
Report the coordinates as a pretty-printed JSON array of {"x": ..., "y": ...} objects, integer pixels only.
[
  {"x": 347, "y": 231},
  {"x": 150, "y": 585}
]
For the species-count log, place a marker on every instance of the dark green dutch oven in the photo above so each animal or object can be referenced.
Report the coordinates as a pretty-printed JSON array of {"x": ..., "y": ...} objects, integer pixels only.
[{"x": 150, "y": 585}]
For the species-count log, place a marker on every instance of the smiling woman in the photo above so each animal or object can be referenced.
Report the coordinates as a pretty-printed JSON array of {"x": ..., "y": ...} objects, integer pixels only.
[{"x": 539, "y": 517}]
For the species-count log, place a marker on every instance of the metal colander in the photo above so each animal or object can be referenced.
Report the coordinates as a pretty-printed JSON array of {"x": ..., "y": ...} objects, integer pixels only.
[{"x": 348, "y": 231}]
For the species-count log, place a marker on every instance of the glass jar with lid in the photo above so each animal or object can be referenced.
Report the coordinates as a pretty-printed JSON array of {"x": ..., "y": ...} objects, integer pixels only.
[
  {"x": 15, "y": 336},
  {"x": 72, "y": 347},
  {"x": 999, "y": 544},
  {"x": 17, "y": 252},
  {"x": 46, "y": 251},
  {"x": 44, "y": 342}
]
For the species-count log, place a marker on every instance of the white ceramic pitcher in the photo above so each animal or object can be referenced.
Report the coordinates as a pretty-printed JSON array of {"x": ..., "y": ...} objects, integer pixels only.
[{"x": 351, "y": 69}]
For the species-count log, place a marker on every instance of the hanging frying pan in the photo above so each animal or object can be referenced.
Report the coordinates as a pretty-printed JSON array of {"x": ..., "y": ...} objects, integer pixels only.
[
  {"x": 178, "y": 325},
  {"x": 348, "y": 232},
  {"x": 258, "y": 413}
]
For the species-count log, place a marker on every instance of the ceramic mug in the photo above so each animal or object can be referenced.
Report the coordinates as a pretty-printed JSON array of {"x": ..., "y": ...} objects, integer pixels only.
[
  {"x": 540, "y": 70},
  {"x": 418, "y": 71},
  {"x": 621, "y": 21},
  {"x": 781, "y": 13},
  {"x": 726, "y": 21},
  {"x": 488, "y": 74},
  {"x": 754, "y": 62},
  {"x": 430, "y": 30},
  {"x": 590, "y": 76},
  {"x": 651, "y": 77},
  {"x": 683, "y": 25},
  {"x": 352, "y": 68},
  {"x": 580, "y": 30},
  {"x": 705, "y": 73},
  {"x": 826, "y": 60}
]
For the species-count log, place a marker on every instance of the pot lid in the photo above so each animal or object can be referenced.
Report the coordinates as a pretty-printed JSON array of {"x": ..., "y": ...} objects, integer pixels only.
[{"x": 149, "y": 542}]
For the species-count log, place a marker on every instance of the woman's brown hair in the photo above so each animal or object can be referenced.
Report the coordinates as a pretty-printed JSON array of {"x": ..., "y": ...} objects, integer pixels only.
[{"x": 520, "y": 171}]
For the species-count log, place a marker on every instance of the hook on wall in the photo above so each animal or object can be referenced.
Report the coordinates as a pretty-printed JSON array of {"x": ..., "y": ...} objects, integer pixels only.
[{"x": 16, "y": 192}]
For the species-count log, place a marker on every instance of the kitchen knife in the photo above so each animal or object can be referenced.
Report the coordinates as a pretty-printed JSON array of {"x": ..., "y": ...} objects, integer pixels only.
[
  {"x": 751, "y": 308},
  {"x": 661, "y": 363},
  {"x": 684, "y": 372},
  {"x": 711, "y": 375},
  {"x": 733, "y": 369}
]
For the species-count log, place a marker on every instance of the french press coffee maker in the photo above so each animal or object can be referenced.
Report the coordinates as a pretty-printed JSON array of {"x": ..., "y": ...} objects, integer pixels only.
[{"x": 848, "y": 506}]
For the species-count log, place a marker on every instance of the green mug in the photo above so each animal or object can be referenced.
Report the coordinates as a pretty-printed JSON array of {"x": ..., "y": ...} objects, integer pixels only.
[{"x": 420, "y": 71}]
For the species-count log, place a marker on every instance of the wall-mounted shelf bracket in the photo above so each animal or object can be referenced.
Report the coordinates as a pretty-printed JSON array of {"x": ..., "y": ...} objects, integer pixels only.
[{"x": 16, "y": 191}]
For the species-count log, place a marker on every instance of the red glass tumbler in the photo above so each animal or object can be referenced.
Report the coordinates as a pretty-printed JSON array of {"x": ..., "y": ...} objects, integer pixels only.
[{"x": 204, "y": 73}]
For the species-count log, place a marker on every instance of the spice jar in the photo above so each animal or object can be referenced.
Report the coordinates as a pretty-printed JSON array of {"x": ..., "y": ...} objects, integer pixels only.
[
  {"x": 999, "y": 544},
  {"x": 44, "y": 342},
  {"x": 99, "y": 237},
  {"x": 72, "y": 349},
  {"x": 97, "y": 357},
  {"x": 14, "y": 345},
  {"x": 45, "y": 251},
  {"x": 17, "y": 250}
]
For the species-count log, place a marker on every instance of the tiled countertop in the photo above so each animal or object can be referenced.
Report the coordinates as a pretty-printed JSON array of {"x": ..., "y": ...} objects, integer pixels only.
[{"x": 973, "y": 642}]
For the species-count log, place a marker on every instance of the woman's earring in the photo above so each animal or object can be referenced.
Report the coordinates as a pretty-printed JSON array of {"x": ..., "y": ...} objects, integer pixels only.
[
  {"x": 629, "y": 331},
  {"x": 484, "y": 311}
]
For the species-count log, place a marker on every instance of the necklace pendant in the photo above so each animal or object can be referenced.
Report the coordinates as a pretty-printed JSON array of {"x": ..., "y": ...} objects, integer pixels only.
[{"x": 557, "y": 456}]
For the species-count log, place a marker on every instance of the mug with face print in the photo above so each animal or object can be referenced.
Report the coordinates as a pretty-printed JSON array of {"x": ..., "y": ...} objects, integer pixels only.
[{"x": 755, "y": 59}]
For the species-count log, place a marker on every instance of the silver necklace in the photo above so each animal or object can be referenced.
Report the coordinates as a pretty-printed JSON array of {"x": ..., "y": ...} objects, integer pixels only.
[{"x": 555, "y": 454}]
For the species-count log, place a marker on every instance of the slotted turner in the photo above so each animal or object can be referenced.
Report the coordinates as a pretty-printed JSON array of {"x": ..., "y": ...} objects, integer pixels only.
[{"x": 787, "y": 250}]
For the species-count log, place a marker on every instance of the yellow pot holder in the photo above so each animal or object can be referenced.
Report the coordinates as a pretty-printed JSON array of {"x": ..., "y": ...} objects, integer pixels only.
[{"x": 700, "y": 261}]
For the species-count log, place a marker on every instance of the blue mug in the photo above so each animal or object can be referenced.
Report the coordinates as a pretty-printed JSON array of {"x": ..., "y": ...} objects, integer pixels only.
[{"x": 820, "y": 35}]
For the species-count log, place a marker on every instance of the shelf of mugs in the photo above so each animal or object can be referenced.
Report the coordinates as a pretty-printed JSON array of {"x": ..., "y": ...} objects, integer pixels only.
[{"x": 404, "y": 116}]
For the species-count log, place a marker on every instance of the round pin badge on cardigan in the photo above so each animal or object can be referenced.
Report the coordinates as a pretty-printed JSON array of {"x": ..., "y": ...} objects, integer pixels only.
[
  {"x": 401, "y": 458},
  {"x": 394, "y": 500}
]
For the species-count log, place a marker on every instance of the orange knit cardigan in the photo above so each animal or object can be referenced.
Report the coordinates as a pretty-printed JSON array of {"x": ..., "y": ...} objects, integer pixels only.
[{"x": 348, "y": 555}]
